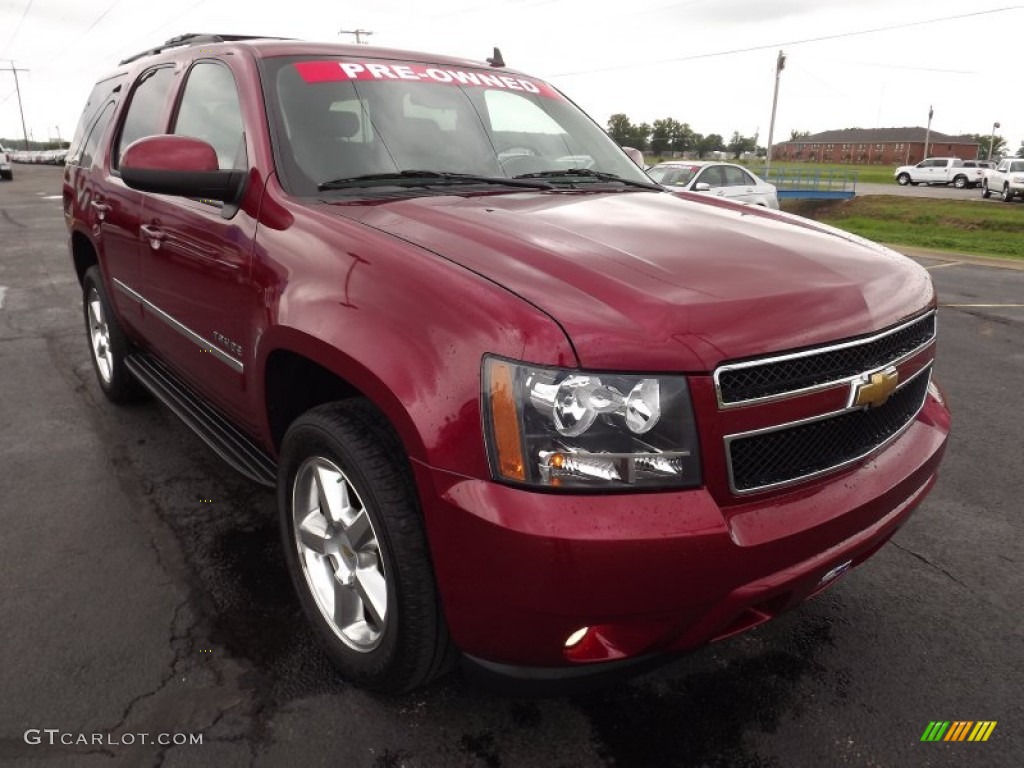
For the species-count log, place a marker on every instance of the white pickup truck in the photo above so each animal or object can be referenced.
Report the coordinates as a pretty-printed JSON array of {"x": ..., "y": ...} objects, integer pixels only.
[
  {"x": 1006, "y": 179},
  {"x": 940, "y": 170}
]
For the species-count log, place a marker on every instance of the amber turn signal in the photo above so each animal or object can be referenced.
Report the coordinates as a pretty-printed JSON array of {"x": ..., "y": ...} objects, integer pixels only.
[{"x": 505, "y": 422}]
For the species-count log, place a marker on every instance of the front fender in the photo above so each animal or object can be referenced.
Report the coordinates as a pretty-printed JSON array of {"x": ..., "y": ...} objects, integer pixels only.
[{"x": 405, "y": 327}]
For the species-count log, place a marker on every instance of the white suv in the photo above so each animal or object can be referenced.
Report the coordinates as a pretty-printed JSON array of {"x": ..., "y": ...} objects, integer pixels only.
[{"x": 6, "y": 170}]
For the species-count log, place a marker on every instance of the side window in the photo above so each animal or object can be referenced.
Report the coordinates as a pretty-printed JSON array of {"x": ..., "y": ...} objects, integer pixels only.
[
  {"x": 99, "y": 127},
  {"x": 210, "y": 111},
  {"x": 146, "y": 109},
  {"x": 100, "y": 93},
  {"x": 712, "y": 176},
  {"x": 735, "y": 177}
]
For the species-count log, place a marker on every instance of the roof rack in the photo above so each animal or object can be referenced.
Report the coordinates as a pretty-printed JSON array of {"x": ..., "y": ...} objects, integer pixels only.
[{"x": 193, "y": 38}]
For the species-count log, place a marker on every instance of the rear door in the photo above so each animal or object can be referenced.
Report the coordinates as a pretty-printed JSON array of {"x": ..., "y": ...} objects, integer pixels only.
[
  {"x": 114, "y": 206},
  {"x": 196, "y": 253}
]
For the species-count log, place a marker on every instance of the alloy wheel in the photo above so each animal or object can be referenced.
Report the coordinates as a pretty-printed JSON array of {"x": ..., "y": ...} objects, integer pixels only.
[
  {"x": 99, "y": 336},
  {"x": 339, "y": 554}
]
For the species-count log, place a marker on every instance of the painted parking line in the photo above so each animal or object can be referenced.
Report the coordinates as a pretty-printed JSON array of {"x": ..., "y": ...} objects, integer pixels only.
[{"x": 945, "y": 264}]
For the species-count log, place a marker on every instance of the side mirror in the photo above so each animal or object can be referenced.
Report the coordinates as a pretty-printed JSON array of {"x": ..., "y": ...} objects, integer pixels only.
[
  {"x": 635, "y": 155},
  {"x": 701, "y": 186},
  {"x": 179, "y": 165}
]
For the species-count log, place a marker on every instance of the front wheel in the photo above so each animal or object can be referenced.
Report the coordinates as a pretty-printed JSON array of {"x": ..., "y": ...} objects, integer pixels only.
[
  {"x": 985, "y": 191},
  {"x": 356, "y": 548},
  {"x": 903, "y": 179},
  {"x": 107, "y": 342},
  {"x": 1007, "y": 194}
]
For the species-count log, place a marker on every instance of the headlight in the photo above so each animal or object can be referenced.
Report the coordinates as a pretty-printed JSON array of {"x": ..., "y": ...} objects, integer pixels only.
[{"x": 559, "y": 428}]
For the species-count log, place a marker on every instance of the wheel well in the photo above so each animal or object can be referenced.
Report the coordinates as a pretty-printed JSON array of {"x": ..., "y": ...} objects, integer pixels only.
[
  {"x": 294, "y": 384},
  {"x": 83, "y": 254}
]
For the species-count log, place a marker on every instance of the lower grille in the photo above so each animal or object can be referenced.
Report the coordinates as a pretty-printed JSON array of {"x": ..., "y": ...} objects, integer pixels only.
[{"x": 788, "y": 454}]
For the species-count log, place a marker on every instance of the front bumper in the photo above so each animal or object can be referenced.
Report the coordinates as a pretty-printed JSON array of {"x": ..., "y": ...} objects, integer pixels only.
[{"x": 649, "y": 573}]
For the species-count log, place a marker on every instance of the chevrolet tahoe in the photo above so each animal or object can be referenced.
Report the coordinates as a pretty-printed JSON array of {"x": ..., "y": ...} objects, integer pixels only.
[{"x": 522, "y": 407}]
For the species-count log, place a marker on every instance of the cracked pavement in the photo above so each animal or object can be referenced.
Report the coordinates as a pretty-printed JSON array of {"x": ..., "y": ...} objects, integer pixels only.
[{"x": 130, "y": 604}]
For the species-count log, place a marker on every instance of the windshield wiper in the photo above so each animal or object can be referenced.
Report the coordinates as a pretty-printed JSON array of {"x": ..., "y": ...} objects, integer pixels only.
[
  {"x": 587, "y": 172},
  {"x": 427, "y": 178}
]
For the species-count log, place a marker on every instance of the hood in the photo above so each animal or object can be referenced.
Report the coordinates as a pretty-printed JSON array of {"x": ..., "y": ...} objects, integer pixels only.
[{"x": 656, "y": 282}]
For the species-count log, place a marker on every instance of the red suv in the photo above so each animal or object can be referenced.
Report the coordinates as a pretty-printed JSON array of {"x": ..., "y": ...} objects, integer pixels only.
[{"x": 521, "y": 406}]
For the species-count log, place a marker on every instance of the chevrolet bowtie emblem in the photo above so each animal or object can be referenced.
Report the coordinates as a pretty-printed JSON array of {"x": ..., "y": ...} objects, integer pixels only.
[{"x": 876, "y": 389}]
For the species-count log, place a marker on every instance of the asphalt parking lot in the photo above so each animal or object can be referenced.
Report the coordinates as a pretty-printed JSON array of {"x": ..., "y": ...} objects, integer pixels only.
[
  {"x": 924, "y": 190},
  {"x": 143, "y": 589}
]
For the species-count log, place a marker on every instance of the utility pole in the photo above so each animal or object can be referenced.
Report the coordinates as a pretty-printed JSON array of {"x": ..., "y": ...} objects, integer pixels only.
[
  {"x": 928, "y": 132},
  {"x": 780, "y": 64},
  {"x": 992, "y": 139},
  {"x": 17, "y": 87},
  {"x": 358, "y": 33}
]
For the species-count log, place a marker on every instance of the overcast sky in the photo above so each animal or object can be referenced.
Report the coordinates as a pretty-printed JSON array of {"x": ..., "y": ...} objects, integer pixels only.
[{"x": 651, "y": 63}]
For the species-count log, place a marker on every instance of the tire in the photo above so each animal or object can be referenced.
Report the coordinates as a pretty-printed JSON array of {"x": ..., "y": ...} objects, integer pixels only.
[
  {"x": 903, "y": 179},
  {"x": 393, "y": 636},
  {"x": 960, "y": 182},
  {"x": 107, "y": 342},
  {"x": 1007, "y": 194},
  {"x": 985, "y": 191},
  {"x": 7, "y": 175}
]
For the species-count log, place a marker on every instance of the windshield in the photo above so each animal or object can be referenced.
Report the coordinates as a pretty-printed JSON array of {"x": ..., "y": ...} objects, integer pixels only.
[
  {"x": 345, "y": 119},
  {"x": 673, "y": 175}
]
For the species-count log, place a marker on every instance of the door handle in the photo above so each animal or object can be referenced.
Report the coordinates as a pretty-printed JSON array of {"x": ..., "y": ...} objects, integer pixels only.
[
  {"x": 101, "y": 208},
  {"x": 154, "y": 234}
]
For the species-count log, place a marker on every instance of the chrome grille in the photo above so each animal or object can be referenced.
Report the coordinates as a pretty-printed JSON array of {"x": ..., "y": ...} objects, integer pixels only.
[
  {"x": 791, "y": 452},
  {"x": 798, "y": 372}
]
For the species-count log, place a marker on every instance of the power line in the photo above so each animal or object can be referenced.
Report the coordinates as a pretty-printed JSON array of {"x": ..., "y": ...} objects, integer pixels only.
[
  {"x": 72, "y": 47},
  {"x": 17, "y": 27},
  {"x": 837, "y": 36},
  {"x": 123, "y": 51},
  {"x": 882, "y": 65}
]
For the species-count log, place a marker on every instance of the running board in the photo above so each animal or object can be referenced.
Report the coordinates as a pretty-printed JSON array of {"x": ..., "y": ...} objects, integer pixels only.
[{"x": 216, "y": 431}]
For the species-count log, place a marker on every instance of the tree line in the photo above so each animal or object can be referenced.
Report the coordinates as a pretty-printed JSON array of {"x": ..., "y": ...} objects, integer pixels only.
[{"x": 670, "y": 135}]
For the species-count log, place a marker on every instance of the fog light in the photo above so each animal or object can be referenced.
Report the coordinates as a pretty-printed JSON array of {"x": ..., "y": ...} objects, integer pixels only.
[{"x": 576, "y": 636}]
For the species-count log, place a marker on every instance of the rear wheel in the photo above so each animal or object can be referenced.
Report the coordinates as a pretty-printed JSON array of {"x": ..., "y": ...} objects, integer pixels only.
[
  {"x": 356, "y": 548},
  {"x": 1007, "y": 194},
  {"x": 903, "y": 179},
  {"x": 960, "y": 182},
  {"x": 107, "y": 342}
]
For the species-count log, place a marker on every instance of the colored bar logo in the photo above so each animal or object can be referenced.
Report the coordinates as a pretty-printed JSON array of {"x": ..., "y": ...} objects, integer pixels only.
[{"x": 958, "y": 730}]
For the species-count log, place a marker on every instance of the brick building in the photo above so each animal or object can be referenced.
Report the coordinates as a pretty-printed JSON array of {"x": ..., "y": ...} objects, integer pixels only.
[{"x": 881, "y": 146}]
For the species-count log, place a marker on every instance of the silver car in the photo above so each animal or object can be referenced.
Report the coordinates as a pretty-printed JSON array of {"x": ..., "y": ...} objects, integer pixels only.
[{"x": 722, "y": 179}]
